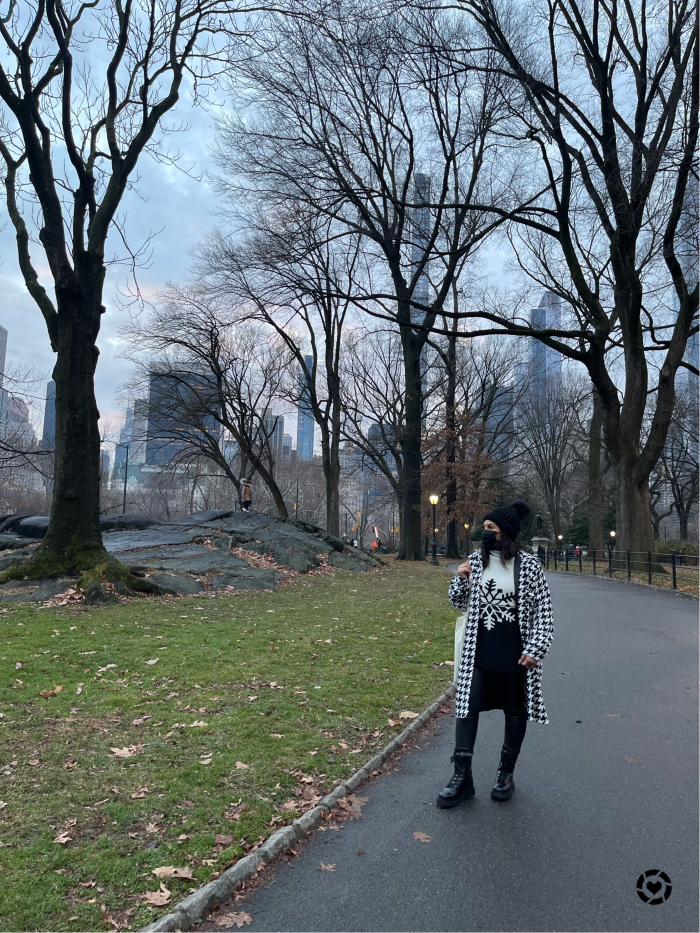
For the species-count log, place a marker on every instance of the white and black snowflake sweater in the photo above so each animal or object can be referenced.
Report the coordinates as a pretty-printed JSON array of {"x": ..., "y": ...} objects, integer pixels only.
[
  {"x": 499, "y": 643},
  {"x": 534, "y": 611}
]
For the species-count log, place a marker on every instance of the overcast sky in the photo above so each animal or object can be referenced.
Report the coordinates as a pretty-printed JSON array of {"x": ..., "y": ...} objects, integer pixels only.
[{"x": 177, "y": 205}]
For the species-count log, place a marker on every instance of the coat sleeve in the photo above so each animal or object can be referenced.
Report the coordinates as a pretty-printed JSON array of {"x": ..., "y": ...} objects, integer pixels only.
[
  {"x": 458, "y": 592},
  {"x": 542, "y": 621}
]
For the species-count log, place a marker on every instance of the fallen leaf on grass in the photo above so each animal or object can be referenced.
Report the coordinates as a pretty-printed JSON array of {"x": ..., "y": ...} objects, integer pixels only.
[
  {"x": 183, "y": 837},
  {"x": 140, "y": 721},
  {"x": 408, "y": 714},
  {"x": 86, "y": 884},
  {"x": 49, "y": 693},
  {"x": 276, "y": 735},
  {"x": 158, "y": 898},
  {"x": 392, "y": 722},
  {"x": 239, "y": 764},
  {"x": 327, "y": 866},
  {"x": 19, "y": 666},
  {"x": 223, "y": 840},
  {"x": 153, "y": 661},
  {"x": 127, "y": 752},
  {"x": 168, "y": 871},
  {"x": 421, "y": 837},
  {"x": 33, "y": 762},
  {"x": 238, "y": 918},
  {"x": 206, "y": 761},
  {"x": 140, "y": 793},
  {"x": 62, "y": 838},
  {"x": 449, "y": 663},
  {"x": 78, "y": 691}
]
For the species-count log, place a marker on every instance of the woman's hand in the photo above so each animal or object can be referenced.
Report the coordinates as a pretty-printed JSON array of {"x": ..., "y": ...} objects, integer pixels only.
[
  {"x": 527, "y": 661},
  {"x": 464, "y": 570}
]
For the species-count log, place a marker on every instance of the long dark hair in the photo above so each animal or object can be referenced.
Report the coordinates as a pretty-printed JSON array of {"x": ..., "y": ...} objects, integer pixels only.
[{"x": 508, "y": 548}]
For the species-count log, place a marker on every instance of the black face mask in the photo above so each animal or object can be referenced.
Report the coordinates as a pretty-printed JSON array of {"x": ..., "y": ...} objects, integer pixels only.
[{"x": 488, "y": 539}]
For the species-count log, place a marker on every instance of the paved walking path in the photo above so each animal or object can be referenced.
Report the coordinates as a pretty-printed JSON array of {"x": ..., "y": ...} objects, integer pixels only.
[{"x": 597, "y": 803}]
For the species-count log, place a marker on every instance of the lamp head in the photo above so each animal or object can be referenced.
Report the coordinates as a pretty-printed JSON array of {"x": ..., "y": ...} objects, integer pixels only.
[
  {"x": 612, "y": 534},
  {"x": 434, "y": 499}
]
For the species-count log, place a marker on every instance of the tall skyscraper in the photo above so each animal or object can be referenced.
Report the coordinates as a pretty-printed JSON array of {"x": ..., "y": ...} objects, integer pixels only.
[
  {"x": 139, "y": 431},
  {"x": 179, "y": 406},
  {"x": 273, "y": 426},
  {"x": 124, "y": 438},
  {"x": 305, "y": 419},
  {"x": 48, "y": 436},
  {"x": 540, "y": 372}
]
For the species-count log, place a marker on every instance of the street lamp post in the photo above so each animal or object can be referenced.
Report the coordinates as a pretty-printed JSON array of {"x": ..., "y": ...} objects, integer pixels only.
[
  {"x": 434, "y": 501},
  {"x": 126, "y": 474}
]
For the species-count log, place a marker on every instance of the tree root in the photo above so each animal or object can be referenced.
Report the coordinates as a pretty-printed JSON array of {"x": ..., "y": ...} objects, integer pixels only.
[{"x": 95, "y": 566}]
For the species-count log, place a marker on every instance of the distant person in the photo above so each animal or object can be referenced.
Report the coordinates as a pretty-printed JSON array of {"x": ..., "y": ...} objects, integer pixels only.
[
  {"x": 498, "y": 663},
  {"x": 246, "y": 495}
]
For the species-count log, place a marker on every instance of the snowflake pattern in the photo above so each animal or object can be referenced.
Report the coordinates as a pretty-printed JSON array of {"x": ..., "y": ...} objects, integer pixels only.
[{"x": 496, "y": 605}]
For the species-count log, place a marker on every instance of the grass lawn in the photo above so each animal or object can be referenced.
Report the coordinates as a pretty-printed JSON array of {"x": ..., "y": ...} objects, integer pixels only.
[{"x": 229, "y": 716}]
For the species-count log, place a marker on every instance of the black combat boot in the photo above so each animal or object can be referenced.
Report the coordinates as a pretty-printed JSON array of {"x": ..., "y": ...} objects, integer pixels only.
[
  {"x": 504, "y": 786},
  {"x": 461, "y": 787}
]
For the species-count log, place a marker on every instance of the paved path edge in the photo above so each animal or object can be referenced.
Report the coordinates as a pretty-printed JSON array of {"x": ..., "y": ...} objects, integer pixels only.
[{"x": 194, "y": 907}]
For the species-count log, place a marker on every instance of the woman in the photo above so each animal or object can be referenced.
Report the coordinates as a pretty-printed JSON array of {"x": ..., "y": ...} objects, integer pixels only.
[
  {"x": 246, "y": 495},
  {"x": 509, "y": 631}
]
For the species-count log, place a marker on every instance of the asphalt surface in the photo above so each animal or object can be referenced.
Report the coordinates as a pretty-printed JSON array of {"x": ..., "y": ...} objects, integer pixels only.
[{"x": 597, "y": 802}]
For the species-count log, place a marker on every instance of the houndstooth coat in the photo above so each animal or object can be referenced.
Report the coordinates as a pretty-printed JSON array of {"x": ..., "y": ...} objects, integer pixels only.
[{"x": 534, "y": 617}]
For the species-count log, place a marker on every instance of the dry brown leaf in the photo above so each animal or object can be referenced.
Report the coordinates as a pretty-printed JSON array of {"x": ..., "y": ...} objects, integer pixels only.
[
  {"x": 86, "y": 884},
  {"x": 183, "y": 837},
  {"x": 222, "y": 839},
  {"x": 276, "y": 735},
  {"x": 240, "y": 765},
  {"x": 33, "y": 762},
  {"x": 239, "y": 918},
  {"x": 408, "y": 714},
  {"x": 19, "y": 666},
  {"x": 392, "y": 722},
  {"x": 168, "y": 871},
  {"x": 140, "y": 793},
  {"x": 328, "y": 866},
  {"x": 78, "y": 691},
  {"x": 205, "y": 761},
  {"x": 62, "y": 838},
  {"x": 158, "y": 898},
  {"x": 421, "y": 837},
  {"x": 153, "y": 661},
  {"x": 127, "y": 752}
]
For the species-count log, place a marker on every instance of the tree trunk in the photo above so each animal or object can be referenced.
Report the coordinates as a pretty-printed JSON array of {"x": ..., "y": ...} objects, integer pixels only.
[
  {"x": 73, "y": 541},
  {"x": 634, "y": 526},
  {"x": 410, "y": 548},
  {"x": 330, "y": 457},
  {"x": 452, "y": 544},
  {"x": 595, "y": 480}
]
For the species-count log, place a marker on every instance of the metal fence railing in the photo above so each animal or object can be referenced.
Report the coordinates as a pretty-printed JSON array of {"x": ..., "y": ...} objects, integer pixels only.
[{"x": 637, "y": 566}]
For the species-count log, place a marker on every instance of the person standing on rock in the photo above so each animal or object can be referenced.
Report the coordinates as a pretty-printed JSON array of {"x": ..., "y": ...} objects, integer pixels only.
[
  {"x": 246, "y": 495},
  {"x": 509, "y": 630}
]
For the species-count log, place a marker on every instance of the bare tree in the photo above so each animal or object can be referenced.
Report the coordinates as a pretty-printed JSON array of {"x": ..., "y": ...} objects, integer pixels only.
[
  {"x": 292, "y": 274},
  {"x": 84, "y": 88},
  {"x": 217, "y": 375},
  {"x": 554, "y": 447},
  {"x": 679, "y": 460},
  {"x": 363, "y": 116},
  {"x": 605, "y": 99}
]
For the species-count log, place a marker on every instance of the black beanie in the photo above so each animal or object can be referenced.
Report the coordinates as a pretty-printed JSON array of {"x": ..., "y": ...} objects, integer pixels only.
[{"x": 508, "y": 518}]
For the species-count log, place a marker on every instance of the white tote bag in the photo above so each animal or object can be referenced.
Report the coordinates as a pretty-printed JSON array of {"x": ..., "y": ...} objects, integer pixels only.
[{"x": 460, "y": 629}]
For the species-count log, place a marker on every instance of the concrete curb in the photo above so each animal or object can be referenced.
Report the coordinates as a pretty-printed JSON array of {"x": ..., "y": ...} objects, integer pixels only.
[{"x": 194, "y": 908}]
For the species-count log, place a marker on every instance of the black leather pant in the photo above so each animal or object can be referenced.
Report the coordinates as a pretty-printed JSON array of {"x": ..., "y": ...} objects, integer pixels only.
[{"x": 515, "y": 718}]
